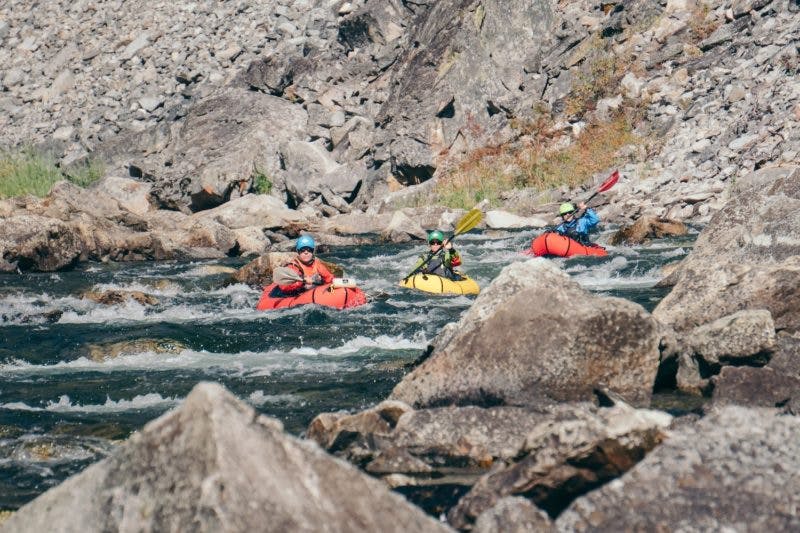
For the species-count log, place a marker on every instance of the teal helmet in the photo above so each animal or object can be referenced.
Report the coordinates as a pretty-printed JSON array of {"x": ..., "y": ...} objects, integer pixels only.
[
  {"x": 566, "y": 208},
  {"x": 435, "y": 235},
  {"x": 305, "y": 241}
]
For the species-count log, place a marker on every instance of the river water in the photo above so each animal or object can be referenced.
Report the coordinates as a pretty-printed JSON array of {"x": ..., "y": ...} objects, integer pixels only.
[{"x": 65, "y": 402}]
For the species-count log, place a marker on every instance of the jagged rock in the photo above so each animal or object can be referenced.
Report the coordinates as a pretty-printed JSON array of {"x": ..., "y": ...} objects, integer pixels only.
[
  {"x": 730, "y": 339},
  {"x": 594, "y": 450},
  {"x": 731, "y": 470},
  {"x": 562, "y": 348},
  {"x": 743, "y": 338},
  {"x": 402, "y": 228},
  {"x": 214, "y": 464},
  {"x": 418, "y": 449}
]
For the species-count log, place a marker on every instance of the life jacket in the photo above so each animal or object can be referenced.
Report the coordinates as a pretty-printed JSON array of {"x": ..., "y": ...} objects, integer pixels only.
[
  {"x": 437, "y": 265},
  {"x": 570, "y": 229},
  {"x": 306, "y": 270}
]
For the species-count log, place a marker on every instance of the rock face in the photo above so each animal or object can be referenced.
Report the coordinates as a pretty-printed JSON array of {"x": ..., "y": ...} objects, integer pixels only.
[
  {"x": 336, "y": 104},
  {"x": 734, "y": 469},
  {"x": 508, "y": 350},
  {"x": 212, "y": 464},
  {"x": 754, "y": 245}
]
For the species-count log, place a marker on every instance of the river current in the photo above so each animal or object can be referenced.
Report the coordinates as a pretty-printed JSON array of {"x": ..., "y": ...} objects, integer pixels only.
[{"x": 65, "y": 401}]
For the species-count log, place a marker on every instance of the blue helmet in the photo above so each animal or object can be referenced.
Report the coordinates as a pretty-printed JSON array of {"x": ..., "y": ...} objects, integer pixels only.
[{"x": 305, "y": 241}]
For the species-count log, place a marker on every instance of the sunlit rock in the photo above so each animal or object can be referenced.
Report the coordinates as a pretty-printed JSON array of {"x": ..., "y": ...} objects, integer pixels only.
[
  {"x": 748, "y": 257},
  {"x": 648, "y": 227},
  {"x": 535, "y": 334}
]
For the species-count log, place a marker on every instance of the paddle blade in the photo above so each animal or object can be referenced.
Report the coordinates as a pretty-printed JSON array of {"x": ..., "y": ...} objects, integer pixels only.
[
  {"x": 285, "y": 276},
  {"x": 612, "y": 179},
  {"x": 468, "y": 221}
]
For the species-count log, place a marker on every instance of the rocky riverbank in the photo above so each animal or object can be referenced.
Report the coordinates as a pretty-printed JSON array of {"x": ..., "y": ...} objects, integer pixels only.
[{"x": 550, "y": 428}]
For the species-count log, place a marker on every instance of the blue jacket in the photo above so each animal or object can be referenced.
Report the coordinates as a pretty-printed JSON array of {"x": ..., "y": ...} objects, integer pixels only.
[{"x": 578, "y": 229}]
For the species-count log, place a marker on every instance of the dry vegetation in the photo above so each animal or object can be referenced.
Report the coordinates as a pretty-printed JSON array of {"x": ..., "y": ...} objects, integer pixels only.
[{"x": 488, "y": 172}]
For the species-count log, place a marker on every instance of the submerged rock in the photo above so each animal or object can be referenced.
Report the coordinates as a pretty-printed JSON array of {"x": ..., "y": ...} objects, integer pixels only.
[
  {"x": 117, "y": 297},
  {"x": 103, "y": 352}
]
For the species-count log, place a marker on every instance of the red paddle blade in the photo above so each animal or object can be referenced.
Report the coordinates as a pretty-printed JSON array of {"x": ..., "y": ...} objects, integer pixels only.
[{"x": 612, "y": 179}]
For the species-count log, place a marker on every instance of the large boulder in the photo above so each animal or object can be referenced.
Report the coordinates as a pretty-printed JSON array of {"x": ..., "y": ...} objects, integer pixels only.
[
  {"x": 213, "y": 464},
  {"x": 736, "y": 469},
  {"x": 748, "y": 257},
  {"x": 535, "y": 334},
  {"x": 33, "y": 242},
  {"x": 217, "y": 150}
]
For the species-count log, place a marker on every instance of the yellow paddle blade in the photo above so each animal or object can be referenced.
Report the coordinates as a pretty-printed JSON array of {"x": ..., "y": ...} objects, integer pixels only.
[{"x": 468, "y": 221}]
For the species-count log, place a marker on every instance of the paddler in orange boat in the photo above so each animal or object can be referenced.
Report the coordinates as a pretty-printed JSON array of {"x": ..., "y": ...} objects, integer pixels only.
[
  {"x": 307, "y": 266},
  {"x": 577, "y": 222}
]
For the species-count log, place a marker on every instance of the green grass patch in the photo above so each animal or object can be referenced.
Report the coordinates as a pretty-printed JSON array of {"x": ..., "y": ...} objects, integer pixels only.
[
  {"x": 261, "y": 182},
  {"x": 29, "y": 172}
]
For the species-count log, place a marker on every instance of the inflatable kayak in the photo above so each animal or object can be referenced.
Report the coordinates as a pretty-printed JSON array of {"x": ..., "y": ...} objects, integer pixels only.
[
  {"x": 553, "y": 244},
  {"x": 327, "y": 295},
  {"x": 441, "y": 285}
]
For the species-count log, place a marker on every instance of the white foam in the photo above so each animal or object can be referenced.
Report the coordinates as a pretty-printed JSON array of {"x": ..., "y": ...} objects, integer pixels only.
[
  {"x": 65, "y": 405},
  {"x": 259, "y": 397}
]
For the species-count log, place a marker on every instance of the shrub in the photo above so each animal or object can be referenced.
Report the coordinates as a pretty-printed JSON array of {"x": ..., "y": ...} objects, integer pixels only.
[
  {"x": 29, "y": 172},
  {"x": 487, "y": 173},
  {"x": 261, "y": 182}
]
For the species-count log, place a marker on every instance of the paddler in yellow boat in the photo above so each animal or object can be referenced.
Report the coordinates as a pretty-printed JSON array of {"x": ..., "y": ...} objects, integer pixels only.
[{"x": 441, "y": 259}]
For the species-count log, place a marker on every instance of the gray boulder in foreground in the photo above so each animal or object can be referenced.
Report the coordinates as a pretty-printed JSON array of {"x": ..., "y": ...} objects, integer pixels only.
[
  {"x": 534, "y": 334},
  {"x": 213, "y": 464},
  {"x": 735, "y": 470}
]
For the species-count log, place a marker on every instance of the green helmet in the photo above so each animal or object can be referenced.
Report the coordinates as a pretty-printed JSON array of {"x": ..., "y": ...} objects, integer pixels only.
[
  {"x": 435, "y": 235},
  {"x": 566, "y": 208}
]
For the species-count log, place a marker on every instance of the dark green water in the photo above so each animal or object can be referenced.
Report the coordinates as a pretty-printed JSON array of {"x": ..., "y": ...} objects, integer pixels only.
[{"x": 61, "y": 410}]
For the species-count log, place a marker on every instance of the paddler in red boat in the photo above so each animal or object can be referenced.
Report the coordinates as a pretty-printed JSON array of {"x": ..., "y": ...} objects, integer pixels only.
[
  {"x": 307, "y": 266},
  {"x": 577, "y": 222}
]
